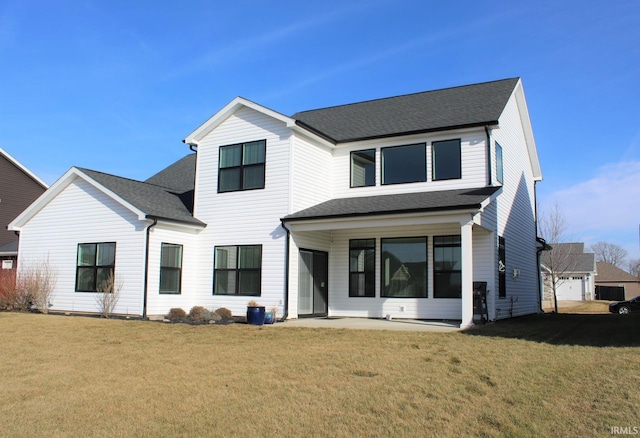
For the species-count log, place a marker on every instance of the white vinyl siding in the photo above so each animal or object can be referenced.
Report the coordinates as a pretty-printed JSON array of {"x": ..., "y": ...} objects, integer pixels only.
[
  {"x": 245, "y": 217},
  {"x": 83, "y": 214},
  {"x": 515, "y": 215},
  {"x": 312, "y": 173}
]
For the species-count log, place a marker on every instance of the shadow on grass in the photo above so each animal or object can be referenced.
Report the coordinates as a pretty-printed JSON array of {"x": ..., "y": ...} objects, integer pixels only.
[{"x": 567, "y": 329}]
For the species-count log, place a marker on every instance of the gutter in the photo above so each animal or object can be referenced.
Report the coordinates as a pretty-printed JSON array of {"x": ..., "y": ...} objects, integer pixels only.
[
  {"x": 146, "y": 268},
  {"x": 286, "y": 272}
]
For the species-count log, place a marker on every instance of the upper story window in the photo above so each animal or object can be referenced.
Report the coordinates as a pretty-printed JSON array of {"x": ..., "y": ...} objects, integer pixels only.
[
  {"x": 499, "y": 169},
  {"x": 404, "y": 164},
  {"x": 446, "y": 159},
  {"x": 95, "y": 264},
  {"x": 241, "y": 166},
  {"x": 363, "y": 168}
]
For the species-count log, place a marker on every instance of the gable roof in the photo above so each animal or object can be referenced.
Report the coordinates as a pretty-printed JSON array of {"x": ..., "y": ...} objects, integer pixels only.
[
  {"x": 572, "y": 258},
  {"x": 155, "y": 201},
  {"x": 449, "y": 108},
  {"x": 609, "y": 272},
  {"x": 23, "y": 169},
  {"x": 445, "y": 200},
  {"x": 179, "y": 176}
]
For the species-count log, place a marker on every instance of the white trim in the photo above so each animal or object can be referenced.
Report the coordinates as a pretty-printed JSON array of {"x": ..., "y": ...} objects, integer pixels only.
[
  {"x": 53, "y": 191},
  {"x": 528, "y": 131},
  {"x": 23, "y": 168}
]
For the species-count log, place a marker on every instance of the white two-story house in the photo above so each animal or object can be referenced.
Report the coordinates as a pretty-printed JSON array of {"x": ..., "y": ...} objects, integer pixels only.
[{"x": 386, "y": 208}]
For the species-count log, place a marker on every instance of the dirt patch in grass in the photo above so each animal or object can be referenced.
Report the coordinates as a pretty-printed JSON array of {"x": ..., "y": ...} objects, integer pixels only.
[{"x": 89, "y": 377}]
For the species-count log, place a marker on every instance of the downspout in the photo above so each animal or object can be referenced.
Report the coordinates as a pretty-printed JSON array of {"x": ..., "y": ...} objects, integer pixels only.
[
  {"x": 489, "y": 166},
  {"x": 146, "y": 269},
  {"x": 286, "y": 272}
]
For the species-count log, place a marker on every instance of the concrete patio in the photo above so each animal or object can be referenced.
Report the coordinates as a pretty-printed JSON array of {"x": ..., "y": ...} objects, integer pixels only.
[{"x": 373, "y": 324}]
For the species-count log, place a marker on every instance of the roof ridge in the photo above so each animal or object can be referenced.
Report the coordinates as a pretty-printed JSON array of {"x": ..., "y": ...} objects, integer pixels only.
[{"x": 403, "y": 95}]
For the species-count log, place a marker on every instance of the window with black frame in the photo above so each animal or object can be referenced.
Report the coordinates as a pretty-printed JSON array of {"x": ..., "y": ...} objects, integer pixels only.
[
  {"x": 362, "y": 267},
  {"x": 445, "y": 156},
  {"x": 242, "y": 166},
  {"x": 95, "y": 264},
  {"x": 237, "y": 270},
  {"x": 170, "y": 268},
  {"x": 404, "y": 267},
  {"x": 447, "y": 267},
  {"x": 404, "y": 164},
  {"x": 363, "y": 168}
]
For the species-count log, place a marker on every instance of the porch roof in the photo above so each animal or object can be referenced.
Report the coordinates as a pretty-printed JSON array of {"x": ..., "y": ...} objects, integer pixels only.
[{"x": 446, "y": 200}]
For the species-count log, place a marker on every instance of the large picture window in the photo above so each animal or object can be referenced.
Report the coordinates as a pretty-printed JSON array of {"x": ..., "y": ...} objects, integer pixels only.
[
  {"x": 242, "y": 166},
  {"x": 237, "y": 270},
  {"x": 362, "y": 268},
  {"x": 363, "y": 168},
  {"x": 404, "y": 267},
  {"x": 404, "y": 164},
  {"x": 95, "y": 263},
  {"x": 447, "y": 267},
  {"x": 446, "y": 159},
  {"x": 170, "y": 268}
]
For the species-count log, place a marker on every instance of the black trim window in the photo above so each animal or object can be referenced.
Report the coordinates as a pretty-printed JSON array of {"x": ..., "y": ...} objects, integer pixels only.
[
  {"x": 363, "y": 168},
  {"x": 502, "y": 269},
  {"x": 447, "y": 267},
  {"x": 404, "y": 164},
  {"x": 95, "y": 264},
  {"x": 170, "y": 268},
  {"x": 241, "y": 166},
  {"x": 499, "y": 167},
  {"x": 237, "y": 270},
  {"x": 404, "y": 267},
  {"x": 362, "y": 268},
  {"x": 446, "y": 159}
]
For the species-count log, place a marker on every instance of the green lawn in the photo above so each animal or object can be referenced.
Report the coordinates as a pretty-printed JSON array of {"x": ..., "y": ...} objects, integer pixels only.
[{"x": 545, "y": 375}]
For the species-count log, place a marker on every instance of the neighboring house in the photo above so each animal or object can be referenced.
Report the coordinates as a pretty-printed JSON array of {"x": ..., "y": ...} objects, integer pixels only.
[
  {"x": 388, "y": 207},
  {"x": 612, "y": 283},
  {"x": 18, "y": 189},
  {"x": 574, "y": 269}
]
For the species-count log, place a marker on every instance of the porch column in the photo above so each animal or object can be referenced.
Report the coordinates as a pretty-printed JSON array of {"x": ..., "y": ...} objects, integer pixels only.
[{"x": 467, "y": 275}]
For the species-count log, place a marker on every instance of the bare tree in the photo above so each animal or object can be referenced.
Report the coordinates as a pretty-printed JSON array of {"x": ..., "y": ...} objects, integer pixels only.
[
  {"x": 562, "y": 258},
  {"x": 108, "y": 295},
  {"x": 36, "y": 281},
  {"x": 609, "y": 253},
  {"x": 634, "y": 267}
]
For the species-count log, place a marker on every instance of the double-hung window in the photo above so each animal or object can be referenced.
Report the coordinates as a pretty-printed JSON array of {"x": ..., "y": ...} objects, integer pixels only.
[
  {"x": 362, "y": 267},
  {"x": 95, "y": 264},
  {"x": 404, "y": 267},
  {"x": 170, "y": 268},
  {"x": 241, "y": 166},
  {"x": 445, "y": 156},
  {"x": 237, "y": 270},
  {"x": 363, "y": 168},
  {"x": 404, "y": 164},
  {"x": 447, "y": 267}
]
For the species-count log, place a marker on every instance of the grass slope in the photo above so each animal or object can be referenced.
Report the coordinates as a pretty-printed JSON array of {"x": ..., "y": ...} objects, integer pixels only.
[{"x": 546, "y": 375}]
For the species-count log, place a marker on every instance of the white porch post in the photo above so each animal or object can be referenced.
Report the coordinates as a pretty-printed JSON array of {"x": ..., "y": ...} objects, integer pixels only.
[{"x": 467, "y": 275}]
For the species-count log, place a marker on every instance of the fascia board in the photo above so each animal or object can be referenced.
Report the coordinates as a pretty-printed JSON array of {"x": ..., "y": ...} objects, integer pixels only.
[
  {"x": 23, "y": 168},
  {"x": 214, "y": 121},
  {"x": 528, "y": 131}
]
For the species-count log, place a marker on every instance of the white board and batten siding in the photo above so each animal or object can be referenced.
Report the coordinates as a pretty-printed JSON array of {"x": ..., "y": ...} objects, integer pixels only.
[
  {"x": 250, "y": 217},
  {"x": 83, "y": 214},
  {"x": 516, "y": 217}
]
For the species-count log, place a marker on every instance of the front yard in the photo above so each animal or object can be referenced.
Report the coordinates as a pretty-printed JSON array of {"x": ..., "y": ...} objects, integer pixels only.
[{"x": 546, "y": 375}]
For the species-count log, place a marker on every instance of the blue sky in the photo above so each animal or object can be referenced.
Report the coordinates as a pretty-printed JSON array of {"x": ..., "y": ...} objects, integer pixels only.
[{"x": 116, "y": 85}]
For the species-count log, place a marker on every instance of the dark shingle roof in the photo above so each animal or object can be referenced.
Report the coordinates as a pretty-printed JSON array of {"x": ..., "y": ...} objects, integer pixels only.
[
  {"x": 180, "y": 176},
  {"x": 9, "y": 248},
  {"x": 395, "y": 204},
  {"x": 466, "y": 106},
  {"x": 609, "y": 272},
  {"x": 570, "y": 257},
  {"x": 155, "y": 201}
]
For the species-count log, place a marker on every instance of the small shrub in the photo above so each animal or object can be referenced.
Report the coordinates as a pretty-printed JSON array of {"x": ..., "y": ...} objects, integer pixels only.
[
  {"x": 196, "y": 313},
  {"x": 253, "y": 303},
  {"x": 36, "y": 282},
  {"x": 11, "y": 297},
  {"x": 224, "y": 313},
  {"x": 176, "y": 314},
  {"x": 108, "y": 295}
]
